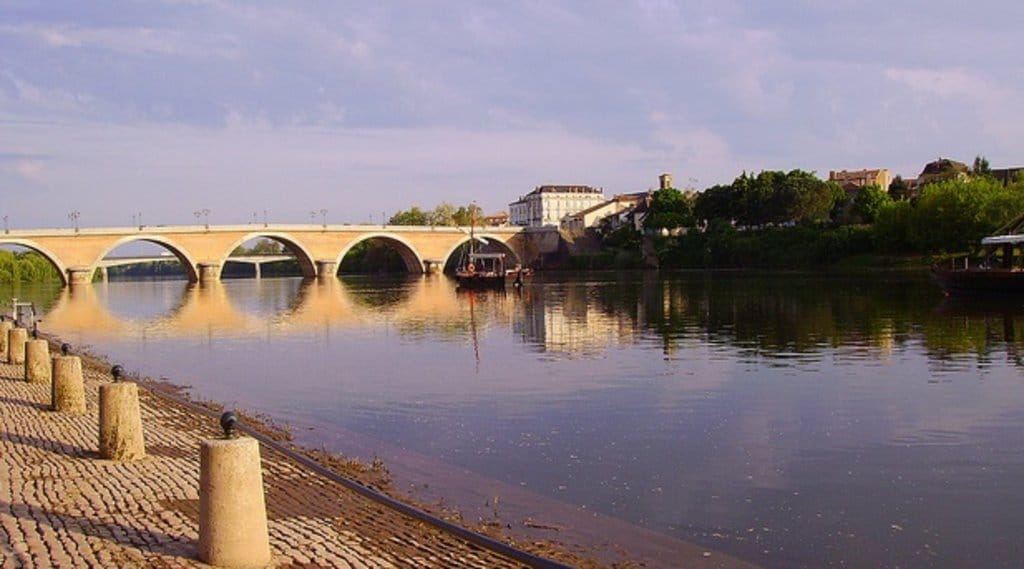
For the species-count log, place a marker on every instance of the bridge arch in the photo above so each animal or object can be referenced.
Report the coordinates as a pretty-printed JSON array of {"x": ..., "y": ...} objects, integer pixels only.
[
  {"x": 412, "y": 259},
  {"x": 306, "y": 261},
  {"x": 47, "y": 254},
  {"x": 191, "y": 268},
  {"x": 491, "y": 240}
]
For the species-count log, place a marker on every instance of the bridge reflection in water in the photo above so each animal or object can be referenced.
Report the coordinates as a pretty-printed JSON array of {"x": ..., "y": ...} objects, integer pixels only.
[{"x": 211, "y": 307}]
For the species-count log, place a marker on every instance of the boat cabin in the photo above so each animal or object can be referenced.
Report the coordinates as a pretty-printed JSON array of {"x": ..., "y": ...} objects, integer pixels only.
[
  {"x": 487, "y": 263},
  {"x": 1007, "y": 243}
]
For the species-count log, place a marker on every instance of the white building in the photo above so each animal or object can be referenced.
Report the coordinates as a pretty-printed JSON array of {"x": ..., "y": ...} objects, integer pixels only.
[{"x": 547, "y": 205}]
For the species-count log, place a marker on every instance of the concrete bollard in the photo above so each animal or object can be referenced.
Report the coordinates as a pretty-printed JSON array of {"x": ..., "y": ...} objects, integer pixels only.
[
  {"x": 5, "y": 328},
  {"x": 16, "y": 339},
  {"x": 120, "y": 423},
  {"x": 68, "y": 392},
  {"x": 37, "y": 361},
  {"x": 232, "y": 510}
]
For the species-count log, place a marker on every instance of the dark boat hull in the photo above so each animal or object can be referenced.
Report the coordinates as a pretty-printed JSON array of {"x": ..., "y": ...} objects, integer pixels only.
[
  {"x": 979, "y": 281},
  {"x": 479, "y": 281}
]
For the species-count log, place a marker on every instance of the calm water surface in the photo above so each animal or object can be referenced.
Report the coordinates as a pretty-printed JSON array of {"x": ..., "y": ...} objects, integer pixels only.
[{"x": 790, "y": 420}]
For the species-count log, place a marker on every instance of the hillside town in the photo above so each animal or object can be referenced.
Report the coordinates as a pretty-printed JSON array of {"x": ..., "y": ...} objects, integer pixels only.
[{"x": 576, "y": 208}]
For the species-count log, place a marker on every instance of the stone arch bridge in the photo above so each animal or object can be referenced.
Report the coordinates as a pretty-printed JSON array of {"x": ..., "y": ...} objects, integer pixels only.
[{"x": 319, "y": 249}]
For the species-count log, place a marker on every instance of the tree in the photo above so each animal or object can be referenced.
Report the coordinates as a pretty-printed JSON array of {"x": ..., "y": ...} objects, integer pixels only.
[
  {"x": 466, "y": 215},
  {"x": 414, "y": 216},
  {"x": 868, "y": 201},
  {"x": 716, "y": 202},
  {"x": 954, "y": 215},
  {"x": 802, "y": 197},
  {"x": 981, "y": 167},
  {"x": 261, "y": 247},
  {"x": 443, "y": 214},
  {"x": 899, "y": 189},
  {"x": 669, "y": 209}
]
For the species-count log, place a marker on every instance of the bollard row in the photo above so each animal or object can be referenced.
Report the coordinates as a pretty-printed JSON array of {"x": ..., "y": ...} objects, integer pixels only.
[
  {"x": 232, "y": 526},
  {"x": 232, "y": 509}
]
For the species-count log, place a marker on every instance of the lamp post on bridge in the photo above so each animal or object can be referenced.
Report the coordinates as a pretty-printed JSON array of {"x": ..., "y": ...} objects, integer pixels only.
[
  {"x": 323, "y": 217},
  {"x": 6, "y": 229},
  {"x": 205, "y": 214},
  {"x": 73, "y": 216},
  {"x": 264, "y": 218}
]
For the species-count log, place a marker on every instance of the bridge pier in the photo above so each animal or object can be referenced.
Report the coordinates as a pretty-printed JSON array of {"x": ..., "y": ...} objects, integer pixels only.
[
  {"x": 209, "y": 272},
  {"x": 79, "y": 276},
  {"x": 326, "y": 269}
]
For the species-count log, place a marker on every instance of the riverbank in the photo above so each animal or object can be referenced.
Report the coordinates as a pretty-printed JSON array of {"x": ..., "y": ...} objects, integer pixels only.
[{"x": 61, "y": 506}]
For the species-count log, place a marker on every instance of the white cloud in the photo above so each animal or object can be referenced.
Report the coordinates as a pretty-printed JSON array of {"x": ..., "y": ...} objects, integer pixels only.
[
  {"x": 29, "y": 169},
  {"x": 52, "y": 100},
  {"x": 130, "y": 40}
]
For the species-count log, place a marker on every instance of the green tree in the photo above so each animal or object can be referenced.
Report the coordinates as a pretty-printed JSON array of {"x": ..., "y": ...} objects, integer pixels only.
[
  {"x": 466, "y": 215},
  {"x": 26, "y": 267},
  {"x": 261, "y": 247},
  {"x": 981, "y": 167},
  {"x": 669, "y": 209},
  {"x": 415, "y": 216},
  {"x": 443, "y": 214},
  {"x": 899, "y": 189},
  {"x": 717, "y": 202},
  {"x": 868, "y": 201},
  {"x": 802, "y": 197},
  {"x": 953, "y": 215}
]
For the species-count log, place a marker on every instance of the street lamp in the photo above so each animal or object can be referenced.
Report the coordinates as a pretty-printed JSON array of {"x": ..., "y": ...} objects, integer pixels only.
[
  {"x": 323, "y": 218},
  {"x": 6, "y": 229},
  {"x": 73, "y": 216},
  {"x": 264, "y": 218},
  {"x": 205, "y": 214}
]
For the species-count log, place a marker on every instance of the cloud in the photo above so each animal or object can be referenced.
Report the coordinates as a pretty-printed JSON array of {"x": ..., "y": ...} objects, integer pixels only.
[
  {"x": 30, "y": 168},
  {"x": 129, "y": 40}
]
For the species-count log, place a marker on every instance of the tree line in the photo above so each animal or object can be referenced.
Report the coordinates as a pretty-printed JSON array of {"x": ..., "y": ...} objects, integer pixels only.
[
  {"x": 26, "y": 267},
  {"x": 777, "y": 218},
  {"x": 444, "y": 214}
]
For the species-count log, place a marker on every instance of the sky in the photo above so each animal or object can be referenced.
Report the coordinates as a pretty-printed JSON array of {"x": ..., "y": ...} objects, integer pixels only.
[{"x": 127, "y": 110}]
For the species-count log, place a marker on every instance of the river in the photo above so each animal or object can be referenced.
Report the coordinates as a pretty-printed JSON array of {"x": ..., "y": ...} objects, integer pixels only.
[{"x": 786, "y": 419}]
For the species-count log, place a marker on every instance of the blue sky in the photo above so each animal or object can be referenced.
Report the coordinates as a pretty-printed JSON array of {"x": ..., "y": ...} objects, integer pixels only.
[{"x": 163, "y": 108}]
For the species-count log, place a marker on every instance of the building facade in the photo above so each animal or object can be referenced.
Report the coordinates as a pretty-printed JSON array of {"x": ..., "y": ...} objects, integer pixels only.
[
  {"x": 548, "y": 205},
  {"x": 852, "y": 180},
  {"x": 578, "y": 222}
]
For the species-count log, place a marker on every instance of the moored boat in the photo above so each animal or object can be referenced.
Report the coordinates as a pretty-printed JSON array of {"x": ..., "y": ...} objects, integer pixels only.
[
  {"x": 999, "y": 272},
  {"x": 488, "y": 270}
]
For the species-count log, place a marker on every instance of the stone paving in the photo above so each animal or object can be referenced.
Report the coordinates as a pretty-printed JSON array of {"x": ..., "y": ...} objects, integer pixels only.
[{"x": 62, "y": 506}]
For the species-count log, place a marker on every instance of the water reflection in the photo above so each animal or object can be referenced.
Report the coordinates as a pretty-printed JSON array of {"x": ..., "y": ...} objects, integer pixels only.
[
  {"x": 236, "y": 309},
  {"x": 791, "y": 319}
]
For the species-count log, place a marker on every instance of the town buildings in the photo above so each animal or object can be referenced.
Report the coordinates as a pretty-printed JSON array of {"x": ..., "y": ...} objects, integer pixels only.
[
  {"x": 854, "y": 180},
  {"x": 548, "y": 205},
  {"x": 578, "y": 222}
]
